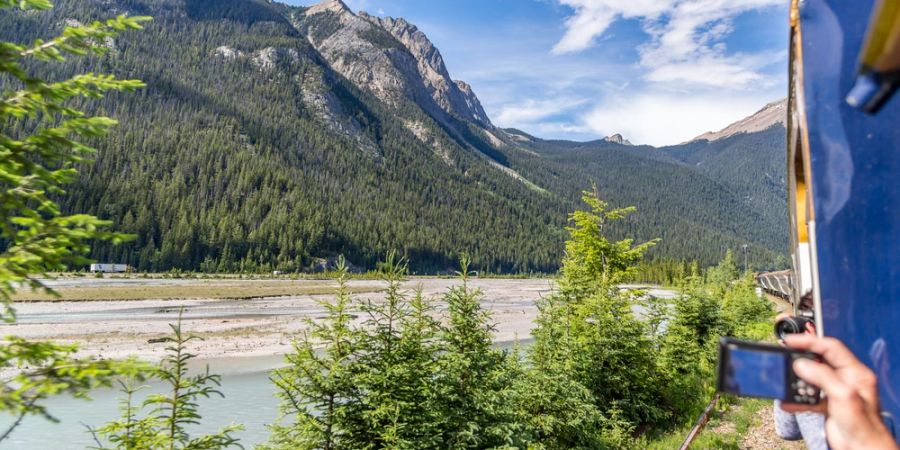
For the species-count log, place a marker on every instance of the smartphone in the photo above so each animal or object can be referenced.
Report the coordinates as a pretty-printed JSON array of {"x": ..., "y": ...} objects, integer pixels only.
[{"x": 753, "y": 369}]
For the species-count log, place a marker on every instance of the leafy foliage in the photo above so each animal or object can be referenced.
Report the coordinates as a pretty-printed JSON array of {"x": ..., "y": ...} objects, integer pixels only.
[
  {"x": 628, "y": 371},
  {"x": 35, "y": 236},
  {"x": 46, "y": 369},
  {"x": 598, "y": 374},
  {"x": 34, "y": 168},
  {"x": 399, "y": 379},
  {"x": 592, "y": 261}
]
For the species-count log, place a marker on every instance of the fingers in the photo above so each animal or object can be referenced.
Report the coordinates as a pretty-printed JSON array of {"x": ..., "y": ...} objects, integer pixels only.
[
  {"x": 818, "y": 374},
  {"x": 847, "y": 376},
  {"x": 810, "y": 328},
  {"x": 833, "y": 351},
  {"x": 799, "y": 341}
]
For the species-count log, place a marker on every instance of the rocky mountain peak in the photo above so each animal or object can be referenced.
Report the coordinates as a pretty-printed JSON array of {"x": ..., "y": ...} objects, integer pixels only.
[
  {"x": 617, "y": 139},
  {"x": 452, "y": 96},
  {"x": 391, "y": 58},
  {"x": 335, "y": 6},
  {"x": 770, "y": 115}
]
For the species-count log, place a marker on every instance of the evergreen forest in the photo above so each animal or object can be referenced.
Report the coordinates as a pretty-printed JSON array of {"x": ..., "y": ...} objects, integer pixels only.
[
  {"x": 423, "y": 373},
  {"x": 609, "y": 367},
  {"x": 219, "y": 164}
]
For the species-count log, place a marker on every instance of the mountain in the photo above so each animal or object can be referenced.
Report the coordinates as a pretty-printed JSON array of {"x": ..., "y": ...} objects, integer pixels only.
[
  {"x": 391, "y": 57},
  {"x": 269, "y": 136},
  {"x": 771, "y": 115},
  {"x": 617, "y": 139},
  {"x": 749, "y": 157}
]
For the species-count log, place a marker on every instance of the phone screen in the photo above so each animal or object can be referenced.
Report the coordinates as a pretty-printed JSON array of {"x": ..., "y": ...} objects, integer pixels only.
[{"x": 755, "y": 373}]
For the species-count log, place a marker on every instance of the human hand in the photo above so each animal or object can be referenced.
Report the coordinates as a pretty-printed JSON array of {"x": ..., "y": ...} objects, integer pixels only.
[{"x": 853, "y": 415}]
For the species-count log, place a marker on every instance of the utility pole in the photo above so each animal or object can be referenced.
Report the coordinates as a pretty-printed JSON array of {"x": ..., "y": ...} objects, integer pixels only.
[{"x": 746, "y": 267}]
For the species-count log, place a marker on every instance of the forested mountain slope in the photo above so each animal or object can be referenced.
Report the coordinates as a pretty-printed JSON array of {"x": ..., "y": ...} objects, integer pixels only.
[
  {"x": 270, "y": 135},
  {"x": 752, "y": 165}
]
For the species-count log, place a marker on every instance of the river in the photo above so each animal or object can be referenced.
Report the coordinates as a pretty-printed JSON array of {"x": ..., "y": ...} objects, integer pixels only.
[
  {"x": 250, "y": 399},
  {"x": 117, "y": 328}
]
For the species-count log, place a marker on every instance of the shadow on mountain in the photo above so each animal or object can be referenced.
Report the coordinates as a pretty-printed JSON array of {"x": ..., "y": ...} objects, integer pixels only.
[{"x": 241, "y": 11}]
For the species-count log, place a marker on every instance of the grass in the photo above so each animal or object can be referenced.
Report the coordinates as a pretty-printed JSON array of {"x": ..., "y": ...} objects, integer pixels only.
[
  {"x": 196, "y": 286},
  {"x": 218, "y": 289},
  {"x": 322, "y": 276},
  {"x": 726, "y": 429}
]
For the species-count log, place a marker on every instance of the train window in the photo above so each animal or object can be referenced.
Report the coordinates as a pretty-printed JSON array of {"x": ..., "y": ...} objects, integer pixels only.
[{"x": 802, "y": 212}]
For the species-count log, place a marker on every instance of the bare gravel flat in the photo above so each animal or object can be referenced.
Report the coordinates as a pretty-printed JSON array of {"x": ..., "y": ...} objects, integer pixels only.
[
  {"x": 247, "y": 326},
  {"x": 761, "y": 436}
]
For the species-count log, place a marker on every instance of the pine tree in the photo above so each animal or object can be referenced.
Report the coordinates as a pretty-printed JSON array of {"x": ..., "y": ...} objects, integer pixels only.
[
  {"x": 558, "y": 412},
  {"x": 743, "y": 310},
  {"x": 475, "y": 385},
  {"x": 720, "y": 277},
  {"x": 589, "y": 333},
  {"x": 316, "y": 389},
  {"x": 396, "y": 369},
  {"x": 591, "y": 261}
]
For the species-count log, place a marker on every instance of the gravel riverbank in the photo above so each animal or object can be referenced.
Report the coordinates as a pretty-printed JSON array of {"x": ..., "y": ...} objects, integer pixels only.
[{"x": 237, "y": 327}]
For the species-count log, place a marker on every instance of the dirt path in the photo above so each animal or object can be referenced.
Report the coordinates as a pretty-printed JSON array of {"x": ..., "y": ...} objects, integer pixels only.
[{"x": 761, "y": 435}]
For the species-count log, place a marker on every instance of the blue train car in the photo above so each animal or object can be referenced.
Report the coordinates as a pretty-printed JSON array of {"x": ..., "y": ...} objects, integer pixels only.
[{"x": 844, "y": 170}]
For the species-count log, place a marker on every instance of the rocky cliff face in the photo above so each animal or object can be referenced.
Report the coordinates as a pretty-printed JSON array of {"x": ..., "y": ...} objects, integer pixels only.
[
  {"x": 617, "y": 139},
  {"x": 455, "y": 97},
  {"x": 389, "y": 57}
]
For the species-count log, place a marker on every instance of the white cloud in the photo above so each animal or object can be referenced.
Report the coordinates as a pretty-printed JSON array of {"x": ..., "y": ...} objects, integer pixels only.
[
  {"x": 686, "y": 44},
  {"x": 529, "y": 114},
  {"x": 658, "y": 119},
  {"x": 593, "y": 17}
]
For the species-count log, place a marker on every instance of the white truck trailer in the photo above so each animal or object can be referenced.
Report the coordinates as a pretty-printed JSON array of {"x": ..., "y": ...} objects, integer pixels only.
[{"x": 109, "y": 268}]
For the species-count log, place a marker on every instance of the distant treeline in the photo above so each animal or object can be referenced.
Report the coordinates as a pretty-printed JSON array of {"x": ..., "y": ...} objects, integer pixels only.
[{"x": 668, "y": 272}]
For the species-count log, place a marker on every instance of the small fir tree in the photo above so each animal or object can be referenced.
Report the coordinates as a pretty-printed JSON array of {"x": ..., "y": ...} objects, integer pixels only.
[
  {"x": 591, "y": 261},
  {"x": 588, "y": 332},
  {"x": 316, "y": 388},
  {"x": 475, "y": 383},
  {"x": 396, "y": 369},
  {"x": 170, "y": 413}
]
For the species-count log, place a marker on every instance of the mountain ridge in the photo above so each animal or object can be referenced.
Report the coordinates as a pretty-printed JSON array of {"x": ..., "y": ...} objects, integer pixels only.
[
  {"x": 309, "y": 132},
  {"x": 417, "y": 72},
  {"x": 768, "y": 116}
]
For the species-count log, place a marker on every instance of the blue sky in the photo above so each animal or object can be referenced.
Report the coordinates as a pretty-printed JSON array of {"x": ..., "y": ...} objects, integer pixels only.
[{"x": 658, "y": 71}]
